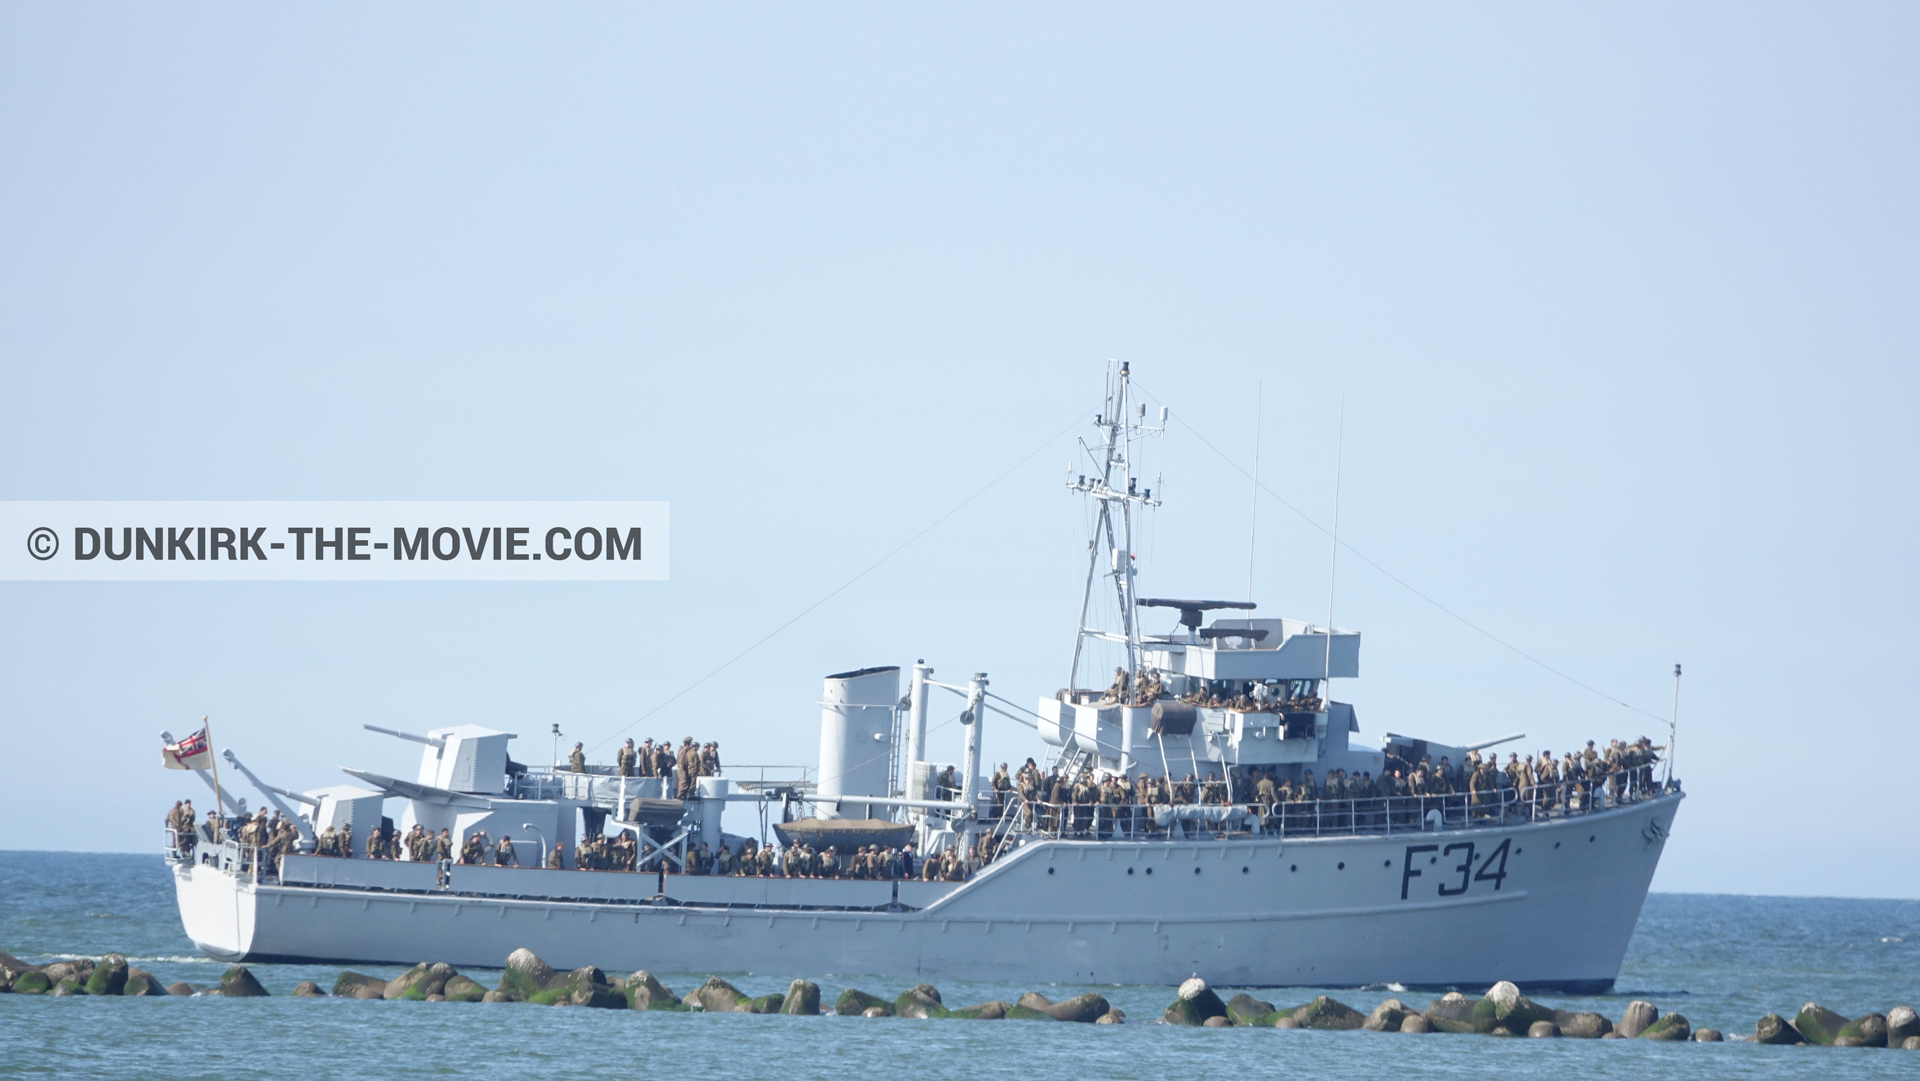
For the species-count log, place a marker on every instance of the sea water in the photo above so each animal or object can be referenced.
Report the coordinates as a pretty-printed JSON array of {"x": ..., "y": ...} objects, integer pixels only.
[{"x": 1723, "y": 961}]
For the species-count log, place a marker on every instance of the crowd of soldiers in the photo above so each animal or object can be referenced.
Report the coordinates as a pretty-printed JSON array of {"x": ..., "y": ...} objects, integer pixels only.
[
  {"x": 277, "y": 836},
  {"x": 800, "y": 860},
  {"x": 1055, "y": 802},
  {"x": 681, "y": 769},
  {"x": 754, "y": 860}
]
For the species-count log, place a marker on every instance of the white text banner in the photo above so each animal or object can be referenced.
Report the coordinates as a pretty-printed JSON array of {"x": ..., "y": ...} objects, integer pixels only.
[{"x": 333, "y": 541}]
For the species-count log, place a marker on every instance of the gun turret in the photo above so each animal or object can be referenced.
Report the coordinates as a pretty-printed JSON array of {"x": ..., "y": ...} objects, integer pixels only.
[
  {"x": 436, "y": 742},
  {"x": 274, "y": 795}
]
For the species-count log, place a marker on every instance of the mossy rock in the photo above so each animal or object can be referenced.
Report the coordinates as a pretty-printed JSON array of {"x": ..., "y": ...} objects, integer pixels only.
[
  {"x": 142, "y": 985},
  {"x": 13, "y": 968},
  {"x": 1194, "y": 1003},
  {"x": 109, "y": 976},
  {"x": 1328, "y": 1015},
  {"x": 308, "y": 989},
  {"x": 416, "y": 983},
  {"x": 359, "y": 985},
  {"x": 1416, "y": 1023},
  {"x": 598, "y": 996},
  {"x": 644, "y": 992},
  {"x": 1386, "y": 1017},
  {"x": 993, "y": 1010},
  {"x": 719, "y": 996},
  {"x": 1708, "y": 1035},
  {"x": 1673, "y": 1028},
  {"x": 1451, "y": 1012},
  {"x": 462, "y": 989},
  {"x": 237, "y": 982},
  {"x": 1818, "y": 1024},
  {"x": 525, "y": 975},
  {"x": 1637, "y": 1018},
  {"x": 1244, "y": 1009},
  {"x": 1582, "y": 1024},
  {"x": 71, "y": 985},
  {"x": 854, "y": 1002},
  {"x": 802, "y": 999},
  {"x": 1776, "y": 1030},
  {"x": 1870, "y": 1030},
  {"x": 1081, "y": 1009},
  {"x": 766, "y": 1004},
  {"x": 1504, "y": 1005},
  {"x": 182, "y": 989},
  {"x": 1017, "y": 1012},
  {"x": 579, "y": 987},
  {"x": 1902, "y": 1022},
  {"x": 920, "y": 1002},
  {"x": 60, "y": 970}
]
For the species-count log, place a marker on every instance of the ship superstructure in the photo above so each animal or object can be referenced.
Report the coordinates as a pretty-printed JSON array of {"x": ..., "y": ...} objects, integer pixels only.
[{"x": 1539, "y": 885}]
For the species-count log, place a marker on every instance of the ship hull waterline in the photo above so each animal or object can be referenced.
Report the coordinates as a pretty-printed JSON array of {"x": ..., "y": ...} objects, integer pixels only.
[{"x": 1548, "y": 905}]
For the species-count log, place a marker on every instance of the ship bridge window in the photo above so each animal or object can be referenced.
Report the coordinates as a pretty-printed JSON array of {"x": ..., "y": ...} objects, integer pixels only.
[{"x": 1256, "y": 695}]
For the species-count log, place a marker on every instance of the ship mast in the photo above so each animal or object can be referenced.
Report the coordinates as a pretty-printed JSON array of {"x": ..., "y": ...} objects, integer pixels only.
[{"x": 1114, "y": 484}]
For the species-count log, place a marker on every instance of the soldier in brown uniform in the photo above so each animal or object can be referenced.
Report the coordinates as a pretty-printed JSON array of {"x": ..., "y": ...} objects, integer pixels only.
[{"x": 686, "y": 769}]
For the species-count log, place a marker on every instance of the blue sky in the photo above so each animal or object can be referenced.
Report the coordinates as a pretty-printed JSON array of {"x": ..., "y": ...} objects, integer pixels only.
[{"x": 1619, "y": 300}]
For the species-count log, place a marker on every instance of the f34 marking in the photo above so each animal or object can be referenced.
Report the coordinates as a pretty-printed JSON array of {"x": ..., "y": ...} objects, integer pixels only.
[{"x": 1492, "y": 869}]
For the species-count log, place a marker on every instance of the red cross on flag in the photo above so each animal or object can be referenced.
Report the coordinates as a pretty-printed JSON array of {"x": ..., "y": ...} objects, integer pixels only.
[{"x": 194, "y": 752}]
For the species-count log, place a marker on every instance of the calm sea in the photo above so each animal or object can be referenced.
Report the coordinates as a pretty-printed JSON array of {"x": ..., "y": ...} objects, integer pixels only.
[{"x": 1722, "y": 961}]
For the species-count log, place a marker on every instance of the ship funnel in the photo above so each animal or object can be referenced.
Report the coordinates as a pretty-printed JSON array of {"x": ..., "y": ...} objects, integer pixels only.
[{"x": 856, "y": 739}]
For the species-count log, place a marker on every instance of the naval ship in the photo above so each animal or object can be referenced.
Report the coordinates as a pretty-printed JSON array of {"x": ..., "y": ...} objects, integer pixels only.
[{"x": 1540, "y": 887}]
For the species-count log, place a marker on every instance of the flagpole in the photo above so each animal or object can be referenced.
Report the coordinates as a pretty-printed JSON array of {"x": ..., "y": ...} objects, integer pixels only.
[{"x": 207, "y": 727}]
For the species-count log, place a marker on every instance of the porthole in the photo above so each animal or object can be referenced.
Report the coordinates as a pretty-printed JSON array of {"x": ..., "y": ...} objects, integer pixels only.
[
  {"x": 1517, "y": 851},
  {"x": 1388, "y": 863},
  {"x": 1293, "y": 867},
  {"x": 1590, "y": 840},
  {"x": 1244, "y": 870},
  {"x": 1342, "y": 867},
  {"x": 1196, "y": 870},
  {"x": 1149, "y": 870},
  {"x": 1129, "y": 870},
  {"x": 1556, "y": 844},
  {"x": 1049, "y": 870}
]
